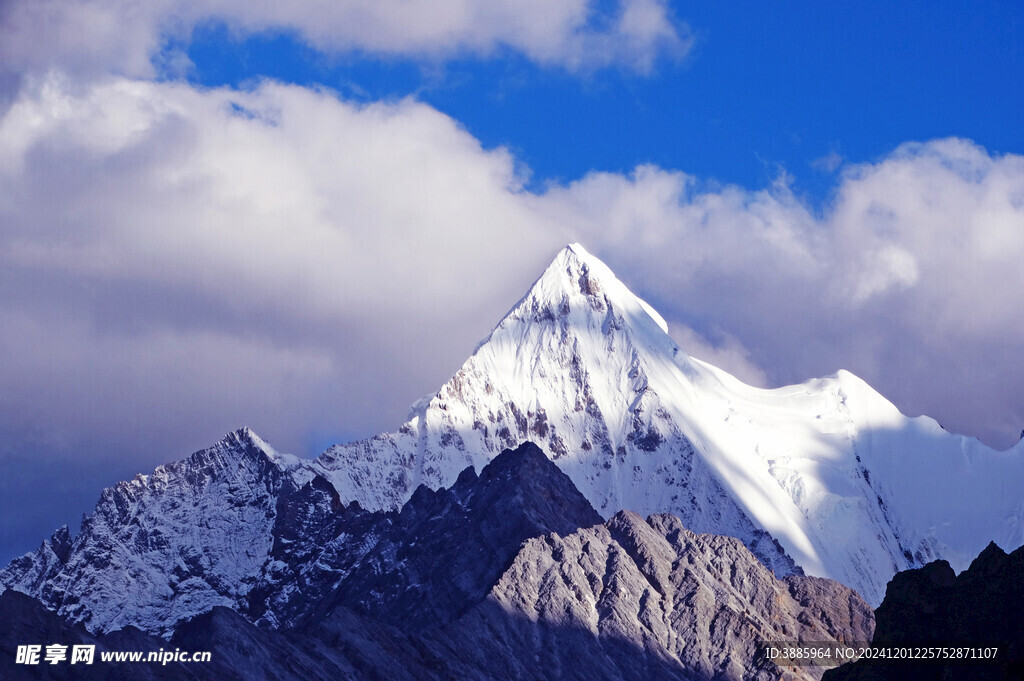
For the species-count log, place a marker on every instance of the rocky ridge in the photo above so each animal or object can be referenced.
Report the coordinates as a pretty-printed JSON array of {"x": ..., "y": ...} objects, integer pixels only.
[{"x": 507, "y": 574}]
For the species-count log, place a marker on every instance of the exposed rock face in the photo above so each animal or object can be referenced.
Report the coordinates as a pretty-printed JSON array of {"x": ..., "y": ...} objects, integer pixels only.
[
  {"x": 626, "y": 599},
  {"x": 243, "y": 527},
  {"x": 317, "y": 542},
  {"x": 446, "y": 549},
  {"x": 933, "y": 606},
  {"x": 636, "y": 599},
  {"x": 33, "y": 573}
]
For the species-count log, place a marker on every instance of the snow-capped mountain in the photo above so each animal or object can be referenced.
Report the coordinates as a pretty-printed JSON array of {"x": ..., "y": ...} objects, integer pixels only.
[
  {"x": 826, "y": 476},
  {"x": 167, "y": 546}
]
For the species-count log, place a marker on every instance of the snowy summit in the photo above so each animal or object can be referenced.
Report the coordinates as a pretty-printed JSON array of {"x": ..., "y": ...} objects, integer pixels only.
[{"x": 827, "y": 477}]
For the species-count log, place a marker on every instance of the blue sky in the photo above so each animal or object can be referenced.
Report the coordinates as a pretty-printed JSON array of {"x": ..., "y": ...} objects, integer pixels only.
[
  {"x": 765, "y": 87},
  {"x": 302, "y": 217}
]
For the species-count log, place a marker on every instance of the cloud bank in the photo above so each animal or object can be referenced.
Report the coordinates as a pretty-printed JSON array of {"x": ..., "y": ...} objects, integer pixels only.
[
  {"x": 287, "y": 250},
  {"x": 131, "y": 37},
  {"x": 178, "y": 248}
]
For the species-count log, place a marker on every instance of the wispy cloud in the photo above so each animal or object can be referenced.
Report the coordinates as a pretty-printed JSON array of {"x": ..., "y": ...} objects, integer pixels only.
[
  {"x": 829, "y": 163},
  {"x": 724, "y": 352}
]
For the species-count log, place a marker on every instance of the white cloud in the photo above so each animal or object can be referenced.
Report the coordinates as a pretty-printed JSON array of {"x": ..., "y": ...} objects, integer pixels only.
[
  {"x": 829, "y": 163},
  {"x": 364, "y": 247},
  {"x": 90, "y": 37}
]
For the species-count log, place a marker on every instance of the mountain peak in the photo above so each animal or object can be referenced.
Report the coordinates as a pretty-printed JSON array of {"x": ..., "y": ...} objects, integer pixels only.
[
  {"x": 244, "y": 442},
  {"x": 526, "y": 458},
  {"x": 824, "y": 477},
  {"x": 526, "y": 482},
  {"x": 579, "y": 290},
  {"x": 243, "y": 436}
]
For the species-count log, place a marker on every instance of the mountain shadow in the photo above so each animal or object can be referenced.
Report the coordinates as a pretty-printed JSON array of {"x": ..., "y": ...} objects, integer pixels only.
[{"x": 978, "y": 610}]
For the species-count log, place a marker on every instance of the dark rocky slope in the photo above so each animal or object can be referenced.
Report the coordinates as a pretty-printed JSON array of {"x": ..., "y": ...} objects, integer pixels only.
[
  {"x": 932, "y": 606},
  {"x": 636, "y": 599}
]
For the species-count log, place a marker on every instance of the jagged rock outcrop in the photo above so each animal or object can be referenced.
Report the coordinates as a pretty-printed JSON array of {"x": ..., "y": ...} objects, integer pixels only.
[
  {"x": 642, "y": 599},
  {"x": 626, "y": 599},
  {"x": 317, "y": 542},
  {"x": 427, "y": 563},
  {"x": 933, "y": 606},
  {"x": 243, "y": 527},
  {"x": 445, "y": 549}
]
